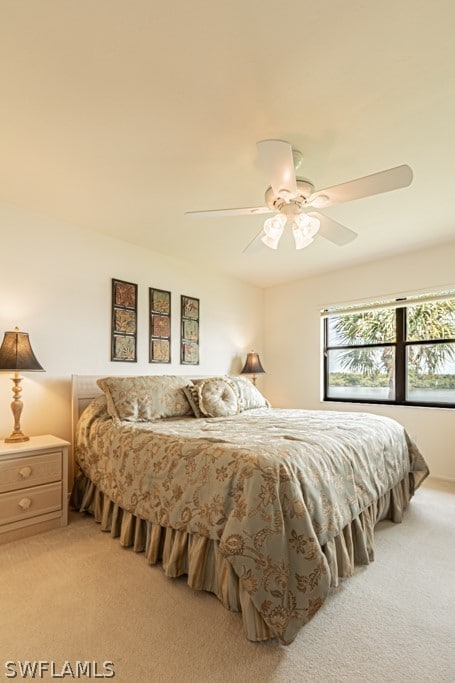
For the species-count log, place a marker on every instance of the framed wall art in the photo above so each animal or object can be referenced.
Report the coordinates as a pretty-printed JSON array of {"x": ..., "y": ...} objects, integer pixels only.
[
  {"x": 160, "y": 326},
  {"x": 189, "y": 330},
  {"x": 124, "y": 321}
]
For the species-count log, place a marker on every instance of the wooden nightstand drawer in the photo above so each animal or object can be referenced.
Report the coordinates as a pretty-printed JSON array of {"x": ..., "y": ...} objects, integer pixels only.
[
  {"x": 33, "y": 486},
  {"x": 30, "y": 502},
  {"x": 30, "y": 471}
]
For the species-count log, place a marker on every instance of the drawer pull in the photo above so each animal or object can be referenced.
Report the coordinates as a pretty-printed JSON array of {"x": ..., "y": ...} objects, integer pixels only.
[
  {"x": 25, "y": 472},
  {"x": 25, "y": 503}
]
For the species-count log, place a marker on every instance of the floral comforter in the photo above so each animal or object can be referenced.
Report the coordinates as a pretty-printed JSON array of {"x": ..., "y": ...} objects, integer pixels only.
[{"x": 270, "y": 485}]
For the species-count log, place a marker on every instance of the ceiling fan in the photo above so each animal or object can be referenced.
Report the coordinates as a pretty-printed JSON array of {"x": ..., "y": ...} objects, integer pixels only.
[{"x": 294, "y": 201}]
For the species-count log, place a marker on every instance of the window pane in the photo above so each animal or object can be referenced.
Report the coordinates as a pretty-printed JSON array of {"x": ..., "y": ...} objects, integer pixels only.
[
  {"x": 362, "y": 374},
  {"x": 431, "y": 373},
  {"x": 371, "y": 327},
  {"x": 431, "y": 321}
]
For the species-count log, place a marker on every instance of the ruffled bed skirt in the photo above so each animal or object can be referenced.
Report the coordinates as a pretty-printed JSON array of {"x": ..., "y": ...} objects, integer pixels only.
[{"x": 198, "y": 557}]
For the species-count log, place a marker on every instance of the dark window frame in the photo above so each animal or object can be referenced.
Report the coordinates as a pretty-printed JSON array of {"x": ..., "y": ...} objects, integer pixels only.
[{"x": 400, "y": 345}]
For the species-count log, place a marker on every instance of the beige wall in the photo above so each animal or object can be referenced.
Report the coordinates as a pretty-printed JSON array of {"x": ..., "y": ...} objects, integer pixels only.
[
  {"x": 55, "y": 284},
  {"x": 292, "y": 341}
]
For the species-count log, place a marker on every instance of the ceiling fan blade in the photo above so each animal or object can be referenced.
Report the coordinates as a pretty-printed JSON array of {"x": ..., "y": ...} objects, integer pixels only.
[
  {"x": 278, "y": 162},
  {"x": 376, "y": 183},
  {"x": 231, "y": 212},
  {"x": 332, "y": 230},
  {"x": 255, "y": 244}
]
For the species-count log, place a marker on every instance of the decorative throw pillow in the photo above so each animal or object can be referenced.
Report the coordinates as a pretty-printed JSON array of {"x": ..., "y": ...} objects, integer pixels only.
[
  {"x": 150, "y": 397},
  {"x": 217, "y": 397},
  {"x": 199, "y": 380},
  {"x": 249, "y": 396},
  {"x": 192, "y": 396}
]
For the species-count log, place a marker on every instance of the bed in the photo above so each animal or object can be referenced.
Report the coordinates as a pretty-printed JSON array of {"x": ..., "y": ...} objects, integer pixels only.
[{"x": 266, "y": 508}]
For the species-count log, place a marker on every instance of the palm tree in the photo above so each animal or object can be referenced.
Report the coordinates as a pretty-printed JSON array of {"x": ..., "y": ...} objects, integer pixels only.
[{"x": 424, "y": 322}]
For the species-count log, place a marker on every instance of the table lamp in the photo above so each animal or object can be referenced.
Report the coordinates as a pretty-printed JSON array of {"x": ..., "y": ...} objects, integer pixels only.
[
  {"x": 16, "y": 354},
  {"x": 252, "y": 366}
]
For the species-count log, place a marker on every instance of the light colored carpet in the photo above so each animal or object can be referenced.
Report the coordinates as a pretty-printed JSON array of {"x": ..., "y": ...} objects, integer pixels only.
[{"x": 75, "y": 594}]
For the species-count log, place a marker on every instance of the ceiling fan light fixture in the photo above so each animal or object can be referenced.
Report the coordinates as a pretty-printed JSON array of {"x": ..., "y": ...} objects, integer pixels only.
[
  {"x": 308, "y": 225},
  {"x": 301, "y": 240},
  {"x": 273, "y": 227},
  {"x": 271, "y": 242}
]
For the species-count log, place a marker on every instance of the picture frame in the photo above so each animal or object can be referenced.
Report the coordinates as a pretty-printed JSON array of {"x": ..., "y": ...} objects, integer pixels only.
[
  {"x": 159, "y": 325},
  {"x": 124, "y": 321},
  {"x": 189, "y": 330}
]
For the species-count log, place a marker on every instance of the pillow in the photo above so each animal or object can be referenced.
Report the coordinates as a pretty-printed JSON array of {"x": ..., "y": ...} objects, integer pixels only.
[
  {"x": 199, "y": 380},
  {"x": 141, "y": 399},
  {"x": 217, "y": 397},
  {"x": 192, "y": 396},
  {"x": 249, "y": 396}
]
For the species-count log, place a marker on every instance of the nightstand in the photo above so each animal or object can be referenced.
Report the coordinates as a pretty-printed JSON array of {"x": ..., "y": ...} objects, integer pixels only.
[{"x": 33, "y": 486}]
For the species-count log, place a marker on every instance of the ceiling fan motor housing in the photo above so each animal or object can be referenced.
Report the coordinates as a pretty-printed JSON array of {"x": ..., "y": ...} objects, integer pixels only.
[{"x": 298, "y": 201}]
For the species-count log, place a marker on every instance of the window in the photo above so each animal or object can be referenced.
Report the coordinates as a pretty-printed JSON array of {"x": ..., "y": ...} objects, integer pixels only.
[{"x": 400, "y": 353}]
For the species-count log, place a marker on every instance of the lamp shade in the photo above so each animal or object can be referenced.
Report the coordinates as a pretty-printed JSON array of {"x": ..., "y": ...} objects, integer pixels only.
[
  {"x": 252, "y": 365},
  {"x": 16, "y": 353}
]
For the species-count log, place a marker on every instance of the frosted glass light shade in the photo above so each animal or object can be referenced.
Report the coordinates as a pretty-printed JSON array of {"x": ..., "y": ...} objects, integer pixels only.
[
  {"x": 307, "y": 224},
  {"x": 301, "y": 240},
  {"x": 273, "y": 228}
]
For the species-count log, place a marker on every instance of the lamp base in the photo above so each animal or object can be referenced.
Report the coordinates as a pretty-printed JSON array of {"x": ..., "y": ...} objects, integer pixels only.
[{"x": 16, "y": 437}]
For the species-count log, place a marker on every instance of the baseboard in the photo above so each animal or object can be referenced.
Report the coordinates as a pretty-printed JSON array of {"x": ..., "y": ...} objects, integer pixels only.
[
  {"x": 440, "y": 484},
  {"x": 447, "y": 480}
]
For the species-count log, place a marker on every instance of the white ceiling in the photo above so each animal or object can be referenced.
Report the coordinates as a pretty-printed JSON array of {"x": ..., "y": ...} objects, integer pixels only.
[{"x": 120, "y": 115}]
